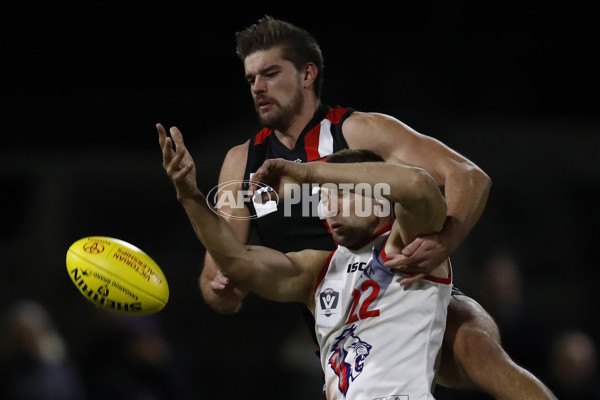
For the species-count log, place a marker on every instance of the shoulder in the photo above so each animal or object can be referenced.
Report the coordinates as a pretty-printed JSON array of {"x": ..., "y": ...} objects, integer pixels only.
[
  {"x": 314, "y": 260},
  {"x": 359, "y": 121},
  {"x": 238, "y": 153},
  {"x": 235, "y": 162},
  {"x": 309, "y": 266},
  {"x": 309, "y": 256},
  {"x": 377, "y": 132}
]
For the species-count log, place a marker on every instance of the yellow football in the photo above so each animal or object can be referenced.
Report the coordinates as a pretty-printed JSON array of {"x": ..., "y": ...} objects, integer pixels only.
[{"x": 117, "y": 276}]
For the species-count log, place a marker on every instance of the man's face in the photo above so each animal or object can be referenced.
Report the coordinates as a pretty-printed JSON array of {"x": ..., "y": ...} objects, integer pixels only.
[
  {"x": 276, "y": 87},
  {"x": 340, "y": 210}
]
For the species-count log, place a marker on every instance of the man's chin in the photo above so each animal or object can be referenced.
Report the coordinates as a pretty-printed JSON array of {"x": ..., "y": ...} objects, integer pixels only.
[
  {"x": 342, "y": 240},
  {"x": 272, "y": 118},
  {"x": 266, "y": 120}
]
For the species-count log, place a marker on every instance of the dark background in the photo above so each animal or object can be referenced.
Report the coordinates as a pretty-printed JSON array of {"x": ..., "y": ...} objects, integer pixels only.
[{"x": 512, "y": 86}]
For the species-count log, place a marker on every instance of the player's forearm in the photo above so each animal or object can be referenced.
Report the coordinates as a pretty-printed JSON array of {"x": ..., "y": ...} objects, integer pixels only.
[
  {"x": 466, "y": 193},
  {"x": 395, "y": 182},
  {"x": 215, "y": 234},
  {"x": 268, "y": 273}
]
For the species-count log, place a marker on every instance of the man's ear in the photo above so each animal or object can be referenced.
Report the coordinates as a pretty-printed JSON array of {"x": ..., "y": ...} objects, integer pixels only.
[{"x": 310, "y": 74}]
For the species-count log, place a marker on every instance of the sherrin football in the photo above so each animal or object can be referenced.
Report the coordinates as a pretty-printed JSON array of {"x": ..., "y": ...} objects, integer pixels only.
[{"x": 117, "y": 276}]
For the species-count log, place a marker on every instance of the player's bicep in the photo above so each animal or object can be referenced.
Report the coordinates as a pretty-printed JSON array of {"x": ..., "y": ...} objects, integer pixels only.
[
  {"x": 288, "y": 277},
  {"x": 226, "y": 200},
  {"x": 430, "y": 154},
  {"x": 232, "y": 171},
  {"x": 397, "y": 142}
]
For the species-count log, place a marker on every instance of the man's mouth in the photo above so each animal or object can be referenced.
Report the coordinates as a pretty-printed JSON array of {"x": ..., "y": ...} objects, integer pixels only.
[
  {"x": 263, "y": 104},
  {"x": 335, "y": 226}
]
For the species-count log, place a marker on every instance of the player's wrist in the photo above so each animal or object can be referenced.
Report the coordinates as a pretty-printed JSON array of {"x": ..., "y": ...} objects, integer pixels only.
[
  {"x": 189, "y": 195},
  {"x": 451, "y": 236},
  {"x": 295, "y": 171}
]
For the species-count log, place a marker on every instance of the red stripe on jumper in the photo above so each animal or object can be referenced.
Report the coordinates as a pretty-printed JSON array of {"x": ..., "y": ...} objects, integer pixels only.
[
  {"x": 311, "y": 143},
  {"x": 262, "y": 136},
  {"x": 336, "y": 114},
  {"x": 311, "y": 139}
]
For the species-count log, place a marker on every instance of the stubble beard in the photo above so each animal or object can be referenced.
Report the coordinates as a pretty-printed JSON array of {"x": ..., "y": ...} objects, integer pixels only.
[{"x": 281, "y": 119}]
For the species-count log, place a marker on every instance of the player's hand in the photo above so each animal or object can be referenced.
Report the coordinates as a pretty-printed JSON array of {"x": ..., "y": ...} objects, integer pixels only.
[
  {"x": 220, "y": 281},
  {"x": 419, "y": 258},
  {"x": 177, "y": 162},
  {"x": 277, "y": 173},
  {"x": 229, "y": 294}
]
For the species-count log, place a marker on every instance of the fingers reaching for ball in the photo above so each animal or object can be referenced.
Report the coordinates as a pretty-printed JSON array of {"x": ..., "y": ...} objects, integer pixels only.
[{"x": 177, "y": 161}]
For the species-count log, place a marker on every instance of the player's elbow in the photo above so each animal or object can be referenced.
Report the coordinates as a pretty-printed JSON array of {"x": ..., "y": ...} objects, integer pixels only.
[
  {"x": 480, "y": 179},
  {"x": 430, "y": 200},
  {"x": 424, "y": 188},
  {"x": 435, "y": 210}
]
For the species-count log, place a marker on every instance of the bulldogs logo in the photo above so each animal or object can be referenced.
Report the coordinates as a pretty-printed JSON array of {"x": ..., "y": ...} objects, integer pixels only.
[{"x": 347, "y": 358}]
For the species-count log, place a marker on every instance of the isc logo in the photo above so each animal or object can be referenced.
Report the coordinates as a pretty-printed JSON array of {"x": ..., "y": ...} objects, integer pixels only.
[{"x": 357, "y": 266}]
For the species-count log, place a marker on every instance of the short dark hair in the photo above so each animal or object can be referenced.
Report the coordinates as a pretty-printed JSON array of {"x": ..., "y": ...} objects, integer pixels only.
[
  {"x": 297, "y": 45},
  {"x": 353, "y": 156}
]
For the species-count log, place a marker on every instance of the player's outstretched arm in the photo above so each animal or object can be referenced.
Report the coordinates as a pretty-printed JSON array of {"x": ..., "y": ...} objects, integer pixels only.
[
  {"x": 219, "y": 291},
  {"x": 414, "y": 191},
  {"x": 269, "y": 273}
]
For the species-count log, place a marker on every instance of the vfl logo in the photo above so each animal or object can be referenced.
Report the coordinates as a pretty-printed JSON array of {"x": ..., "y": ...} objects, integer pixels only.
[
  {"x": 329, "y": 301},
  {"x": 347, "y": 358},
  {"x": 227, "y": 197},
  {"x": 93, "y": 248}
]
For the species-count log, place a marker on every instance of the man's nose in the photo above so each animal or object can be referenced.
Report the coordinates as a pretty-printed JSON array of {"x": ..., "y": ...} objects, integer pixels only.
[
  {"x": 328, "y": 208},
  {"x": 259, "y": 85}
]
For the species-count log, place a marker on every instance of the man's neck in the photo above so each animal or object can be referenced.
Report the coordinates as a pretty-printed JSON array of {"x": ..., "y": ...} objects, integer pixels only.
[
  {"x": 290, "y": 135},
  {"x": 384, "y": 225}
]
